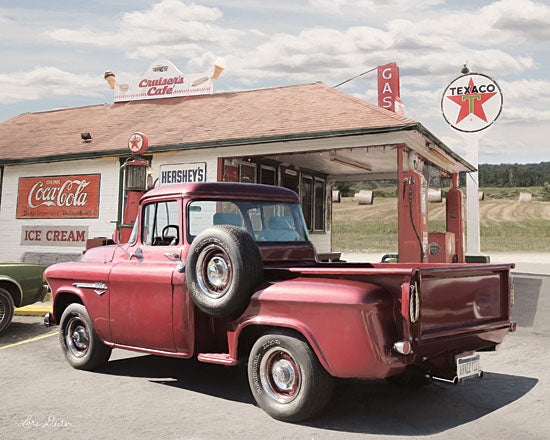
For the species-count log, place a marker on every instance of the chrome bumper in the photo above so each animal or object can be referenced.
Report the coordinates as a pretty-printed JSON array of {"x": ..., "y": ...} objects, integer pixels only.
[{"x": 49, "y": 320}]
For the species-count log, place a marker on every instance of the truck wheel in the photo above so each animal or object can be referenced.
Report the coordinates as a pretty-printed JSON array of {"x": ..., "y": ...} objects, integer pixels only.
[
  {"x": 286, "y": 378},
  {"x": 223, "y": 267},
  {"x": 79, "y": 341},
  {"x": 6, "y": 309}
]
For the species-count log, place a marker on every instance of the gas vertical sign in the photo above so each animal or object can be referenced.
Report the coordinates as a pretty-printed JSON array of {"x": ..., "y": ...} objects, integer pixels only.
[{"x": 388, "y": 86}]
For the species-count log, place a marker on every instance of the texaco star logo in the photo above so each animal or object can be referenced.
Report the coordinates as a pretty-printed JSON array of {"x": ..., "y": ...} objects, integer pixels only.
[
  {"x": 471, "y": 102},
  {"x": 137, "y": 143}
]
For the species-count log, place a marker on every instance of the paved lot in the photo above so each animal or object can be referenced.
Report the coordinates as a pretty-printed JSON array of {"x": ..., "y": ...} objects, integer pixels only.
[{"x": 145, "y": 397}]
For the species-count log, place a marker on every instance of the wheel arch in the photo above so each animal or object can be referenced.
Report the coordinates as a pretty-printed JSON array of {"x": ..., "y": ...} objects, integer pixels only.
[
  {"x": 14, "y": 289},
  {"x": 249, "y": 333},
  {"x": 62, "y": 300}
]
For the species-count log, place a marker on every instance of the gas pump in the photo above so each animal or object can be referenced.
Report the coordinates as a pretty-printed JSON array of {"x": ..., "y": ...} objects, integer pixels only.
[
  {"x": 412, "y": 214},
  {"x": 455, "y": 217},
  {"x": 136, "y": 183}
]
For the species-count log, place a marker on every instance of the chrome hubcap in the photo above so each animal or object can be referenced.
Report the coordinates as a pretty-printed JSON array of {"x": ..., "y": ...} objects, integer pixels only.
[
  {"x": 217, "y": 272},
  {"x": 80, "y": 338},
  {"x": 280, "y": 375},
  {"x": 2, "y": 310},
  {"x": 283, "y": 374},
  {"x": 213, "y": 270},
  {"x": 76, "y": 337}
]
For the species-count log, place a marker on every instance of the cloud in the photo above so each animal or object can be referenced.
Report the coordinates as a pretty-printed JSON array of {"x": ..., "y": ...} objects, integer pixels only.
[
  {"x": 535, "y": 92},
  {"x": 330, "y": 55},
  {"x": 167, "y": 28},
  {"x": 42, "y": 82},
  {"x": 372, "y": 5}
]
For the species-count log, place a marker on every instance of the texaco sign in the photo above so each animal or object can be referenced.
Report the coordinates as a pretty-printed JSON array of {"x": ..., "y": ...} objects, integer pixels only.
[
  {"x": 138, "y": 143},
  {"x": 472, "y": 102}
]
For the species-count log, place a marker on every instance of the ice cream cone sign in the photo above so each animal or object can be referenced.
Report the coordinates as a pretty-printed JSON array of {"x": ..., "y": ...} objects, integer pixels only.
[
  {"x": 219, "y": 65},
  {"x": 110, "y": 78}
]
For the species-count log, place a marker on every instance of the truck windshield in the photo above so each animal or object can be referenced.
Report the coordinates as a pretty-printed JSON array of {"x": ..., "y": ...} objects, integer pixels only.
[{"x": 265, "y": 221}]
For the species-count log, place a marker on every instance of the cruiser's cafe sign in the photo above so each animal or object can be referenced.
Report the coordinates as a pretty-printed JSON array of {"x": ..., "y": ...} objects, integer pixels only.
[
  {"x": 74, "y": 196},
  {"x": 163, "y": 80}
]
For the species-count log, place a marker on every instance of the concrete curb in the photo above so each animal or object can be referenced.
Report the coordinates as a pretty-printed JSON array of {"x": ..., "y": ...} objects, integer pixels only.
[{"x": 33, "y": 310}]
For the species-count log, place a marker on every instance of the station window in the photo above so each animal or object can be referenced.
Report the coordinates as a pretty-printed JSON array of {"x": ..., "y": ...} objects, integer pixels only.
[
  {"x": 248, "y": 172},
  {"x": 290, "y": 179},
  {"x": 313, "y": 202},
  {"x": 307, "y": 200},
  {"x": 268, "y": 175},
  {"x": 319, "y": 204}
]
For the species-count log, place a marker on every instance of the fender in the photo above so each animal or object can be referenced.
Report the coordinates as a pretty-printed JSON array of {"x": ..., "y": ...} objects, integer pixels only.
[
  {"x": 300, "y": 327},
  {"x": 348, "y": 324},
  {"x": 100, "y": 323},
  {"x": 19, "y": 291}
]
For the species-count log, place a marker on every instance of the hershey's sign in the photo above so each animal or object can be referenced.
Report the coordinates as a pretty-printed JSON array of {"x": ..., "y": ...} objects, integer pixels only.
[
  {"x": 191, "y": 172},
  {"x": 58, "y": 196}
]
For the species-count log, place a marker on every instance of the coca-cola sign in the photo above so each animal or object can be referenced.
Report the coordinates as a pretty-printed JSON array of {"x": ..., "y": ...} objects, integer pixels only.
[{"x": 58, "y": 196}]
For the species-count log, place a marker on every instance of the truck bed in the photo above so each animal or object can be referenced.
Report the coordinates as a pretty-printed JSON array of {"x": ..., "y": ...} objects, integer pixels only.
[{"x": 459, "y": 307}]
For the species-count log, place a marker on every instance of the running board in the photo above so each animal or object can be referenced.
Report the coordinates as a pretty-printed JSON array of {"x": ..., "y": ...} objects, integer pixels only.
[{"x": 217, "y": 358}]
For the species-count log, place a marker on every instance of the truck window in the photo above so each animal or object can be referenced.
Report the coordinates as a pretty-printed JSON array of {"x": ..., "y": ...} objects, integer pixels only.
[
  {"x": 206, "y": 213},
  {"x": 265, "y": 221},
  {"x": 160, "y": 224}
]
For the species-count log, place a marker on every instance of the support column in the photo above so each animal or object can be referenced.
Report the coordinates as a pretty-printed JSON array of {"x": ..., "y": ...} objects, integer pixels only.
[{"x": 473, "y": 242}]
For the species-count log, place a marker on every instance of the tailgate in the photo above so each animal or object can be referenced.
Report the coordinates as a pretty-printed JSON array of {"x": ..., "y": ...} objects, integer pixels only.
[{"x": 463, "y": 299}]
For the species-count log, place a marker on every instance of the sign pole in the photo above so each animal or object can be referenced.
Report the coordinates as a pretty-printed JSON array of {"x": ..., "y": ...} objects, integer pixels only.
[{"x": 473, "y": 246}]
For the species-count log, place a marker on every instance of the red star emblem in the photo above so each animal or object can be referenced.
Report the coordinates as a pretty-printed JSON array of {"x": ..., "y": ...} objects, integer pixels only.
[
  {"x": 135, "y": 141},
  {"x": 471, "y": 102}
]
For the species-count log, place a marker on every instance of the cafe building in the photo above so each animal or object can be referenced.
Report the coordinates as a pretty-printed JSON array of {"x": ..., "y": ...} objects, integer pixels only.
[{"x": 61, "y": 180}]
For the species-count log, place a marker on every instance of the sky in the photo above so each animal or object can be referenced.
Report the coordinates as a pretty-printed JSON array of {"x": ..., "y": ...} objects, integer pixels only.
[{"x": 54, "y": 54}]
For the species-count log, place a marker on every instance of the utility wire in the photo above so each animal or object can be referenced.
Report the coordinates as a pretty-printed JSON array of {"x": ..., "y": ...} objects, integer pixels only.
[{"x": 357, "y": 76}]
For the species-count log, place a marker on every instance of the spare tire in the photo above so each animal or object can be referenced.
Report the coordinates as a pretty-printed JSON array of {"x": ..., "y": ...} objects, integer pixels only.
[{"x": 223, "y": 267}]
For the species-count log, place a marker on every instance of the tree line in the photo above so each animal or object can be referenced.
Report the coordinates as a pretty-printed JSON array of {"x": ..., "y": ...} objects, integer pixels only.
[{"x": 514, "y": 175}]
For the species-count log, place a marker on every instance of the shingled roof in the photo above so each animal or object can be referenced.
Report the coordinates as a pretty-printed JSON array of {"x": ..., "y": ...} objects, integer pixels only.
[{"x": 193, "y": 122}]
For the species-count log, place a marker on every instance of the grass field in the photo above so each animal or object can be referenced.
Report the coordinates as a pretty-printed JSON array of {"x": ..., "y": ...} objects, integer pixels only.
[{"x": 506, "y": 225}]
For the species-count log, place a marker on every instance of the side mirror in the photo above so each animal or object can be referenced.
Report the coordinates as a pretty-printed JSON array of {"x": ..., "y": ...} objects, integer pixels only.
[{"x": 138, "y": 254}]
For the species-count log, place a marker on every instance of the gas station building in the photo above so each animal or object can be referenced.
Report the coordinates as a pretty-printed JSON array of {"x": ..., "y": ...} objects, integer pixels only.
[{"x": 61, "y": 180}]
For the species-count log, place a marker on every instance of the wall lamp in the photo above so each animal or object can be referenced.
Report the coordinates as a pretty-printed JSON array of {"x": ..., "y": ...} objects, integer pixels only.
[{"x": 86, "y": 137}]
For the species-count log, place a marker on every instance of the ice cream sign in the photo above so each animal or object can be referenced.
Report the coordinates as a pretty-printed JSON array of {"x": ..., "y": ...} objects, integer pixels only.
[{"x": 164, "y": 80}]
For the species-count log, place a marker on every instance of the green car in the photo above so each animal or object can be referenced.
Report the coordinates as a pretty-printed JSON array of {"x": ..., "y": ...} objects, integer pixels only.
[{"x": 21, "y": 284}]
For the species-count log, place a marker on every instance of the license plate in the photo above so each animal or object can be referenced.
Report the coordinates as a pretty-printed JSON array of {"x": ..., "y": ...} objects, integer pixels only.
[{"x": 468, "y": 366}]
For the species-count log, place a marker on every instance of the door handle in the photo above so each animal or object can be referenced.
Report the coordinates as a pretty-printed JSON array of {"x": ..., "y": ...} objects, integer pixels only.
[{"x": 172, "y": 255}]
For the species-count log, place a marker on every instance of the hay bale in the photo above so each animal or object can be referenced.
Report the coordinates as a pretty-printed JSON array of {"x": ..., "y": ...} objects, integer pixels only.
[
  {"x": 336, "y": 196},
  {"x": 525, "y": 197},
  {"x": 365, "y": 197},
  {"x": 481, "y": 195},
  {"x": 434, "y": 195}
]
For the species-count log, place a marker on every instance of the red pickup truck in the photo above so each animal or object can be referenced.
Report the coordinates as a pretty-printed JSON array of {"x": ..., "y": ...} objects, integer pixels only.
[{"x": 226, "y": 272}]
